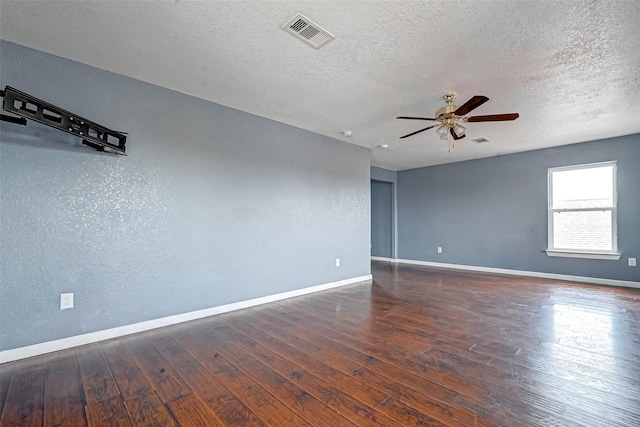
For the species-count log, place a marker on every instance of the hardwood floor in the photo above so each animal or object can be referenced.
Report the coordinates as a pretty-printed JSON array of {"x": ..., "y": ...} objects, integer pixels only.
[{"x": 419, "y": 346}]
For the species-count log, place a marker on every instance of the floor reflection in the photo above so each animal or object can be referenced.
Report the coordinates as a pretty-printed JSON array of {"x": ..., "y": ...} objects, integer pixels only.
[
  {"x": 578, "y": 323},
  {"x": 577, "y": 326}
]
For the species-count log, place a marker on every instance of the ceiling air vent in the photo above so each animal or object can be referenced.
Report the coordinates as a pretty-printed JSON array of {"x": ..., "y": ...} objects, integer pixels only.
[
  {"x": 308, "y": 31},
  {"x": 481, "y": 140}
]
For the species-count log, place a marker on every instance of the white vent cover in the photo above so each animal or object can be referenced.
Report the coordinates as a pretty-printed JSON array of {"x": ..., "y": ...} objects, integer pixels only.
[
  {"x": 308, "y": 31},
  {"x": 481, "y": 140}
]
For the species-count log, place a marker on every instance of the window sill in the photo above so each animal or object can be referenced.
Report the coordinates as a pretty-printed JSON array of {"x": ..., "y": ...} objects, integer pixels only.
[{"x": 590, "y": 255}]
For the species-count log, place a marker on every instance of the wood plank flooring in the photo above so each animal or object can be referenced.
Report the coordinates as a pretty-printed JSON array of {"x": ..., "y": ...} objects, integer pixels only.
[{"x": 419, "y": 346}]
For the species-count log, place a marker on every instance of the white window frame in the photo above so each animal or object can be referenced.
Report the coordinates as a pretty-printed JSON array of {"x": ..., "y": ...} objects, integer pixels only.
[{"x": 578, "y": 253}]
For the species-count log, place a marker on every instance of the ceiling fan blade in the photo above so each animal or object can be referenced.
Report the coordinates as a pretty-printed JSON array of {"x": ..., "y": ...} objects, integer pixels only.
[
  {"x": 493, "y": 118},
  {"x": 456, "y": 137},
  {"x": 418, "y": 131},
  {"x": 470, "y": 105},
  {"x": 414, "y": 118}
]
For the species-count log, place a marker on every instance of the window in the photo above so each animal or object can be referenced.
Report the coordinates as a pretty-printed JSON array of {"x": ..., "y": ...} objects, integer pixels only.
[{"x": 582, "y": 211}]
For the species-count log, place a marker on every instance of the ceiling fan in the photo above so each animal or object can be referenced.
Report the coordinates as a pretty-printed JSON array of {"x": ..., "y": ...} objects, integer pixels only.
[{"x": 450, "y": 116}]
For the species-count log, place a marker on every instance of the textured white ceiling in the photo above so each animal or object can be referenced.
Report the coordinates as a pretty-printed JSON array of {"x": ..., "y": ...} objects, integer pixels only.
[{"x": 570, "y": 68}]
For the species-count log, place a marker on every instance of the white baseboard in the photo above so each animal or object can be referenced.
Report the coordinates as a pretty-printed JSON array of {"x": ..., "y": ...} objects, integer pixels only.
[
  {"x": 380, "y": 258},
  {"x": 565, "y": 277},
  {"x": 78, "y": 340}
]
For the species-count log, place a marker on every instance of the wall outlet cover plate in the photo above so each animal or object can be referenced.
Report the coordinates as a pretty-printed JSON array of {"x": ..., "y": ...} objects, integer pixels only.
[{"x": 66, "y": 301}]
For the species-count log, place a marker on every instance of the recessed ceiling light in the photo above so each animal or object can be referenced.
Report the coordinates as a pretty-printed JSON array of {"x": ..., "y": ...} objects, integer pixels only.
[
  {"x": 383, "y": 146},
  {"x": 347, "y": 133}
]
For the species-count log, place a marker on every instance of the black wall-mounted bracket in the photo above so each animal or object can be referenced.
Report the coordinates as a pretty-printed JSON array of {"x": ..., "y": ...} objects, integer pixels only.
[{"x": 28, "y": 107}]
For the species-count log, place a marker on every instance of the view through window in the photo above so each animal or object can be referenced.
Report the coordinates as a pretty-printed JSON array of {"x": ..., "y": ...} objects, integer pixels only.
[{"x": 582, "y": 208}]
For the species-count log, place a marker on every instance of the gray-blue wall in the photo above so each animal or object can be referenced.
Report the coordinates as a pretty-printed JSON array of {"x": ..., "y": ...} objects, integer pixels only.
[
  {"x": 385, "y": 175},
  {"x": 211, "y": 206},
  {"x": 493, "y": 212}
]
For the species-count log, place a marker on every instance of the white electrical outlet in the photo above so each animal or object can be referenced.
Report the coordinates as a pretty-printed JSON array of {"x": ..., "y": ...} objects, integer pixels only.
[
  {"x": 66, "y": 301},
  {"x": 439, "y": 249},
  {"x": 632, "y": 262},
  {"x": 337, "y": 262}
]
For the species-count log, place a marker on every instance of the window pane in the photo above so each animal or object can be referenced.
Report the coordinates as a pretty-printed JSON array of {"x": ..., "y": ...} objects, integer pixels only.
[
  {"x": 583, "y": 188},
  {"x": 587, "y": 230}
]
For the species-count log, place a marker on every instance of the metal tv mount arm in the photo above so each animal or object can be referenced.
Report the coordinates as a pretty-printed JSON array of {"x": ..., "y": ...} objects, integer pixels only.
[{"x": 29, "y": 107}]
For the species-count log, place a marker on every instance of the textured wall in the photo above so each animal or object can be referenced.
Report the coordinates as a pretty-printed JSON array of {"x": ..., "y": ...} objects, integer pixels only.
[
  {"x": 381, "y": 219},
  {"x": 384, "y": 175},
  {"x": 211, "y": 206},
  {"x": 493, "y": 212}
]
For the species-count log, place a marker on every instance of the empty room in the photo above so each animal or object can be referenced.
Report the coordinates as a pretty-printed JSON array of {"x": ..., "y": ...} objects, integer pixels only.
[{"x": 319, "y": 213}]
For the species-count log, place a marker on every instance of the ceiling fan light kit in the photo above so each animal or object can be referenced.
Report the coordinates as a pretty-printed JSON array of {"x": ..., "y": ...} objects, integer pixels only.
[
  {"x": 459, "y": 129},
  {"x": 450, "y": 116}
]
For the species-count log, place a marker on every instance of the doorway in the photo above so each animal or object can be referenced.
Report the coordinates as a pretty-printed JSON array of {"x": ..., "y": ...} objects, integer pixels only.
[{"x": 381, "y": 219}]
